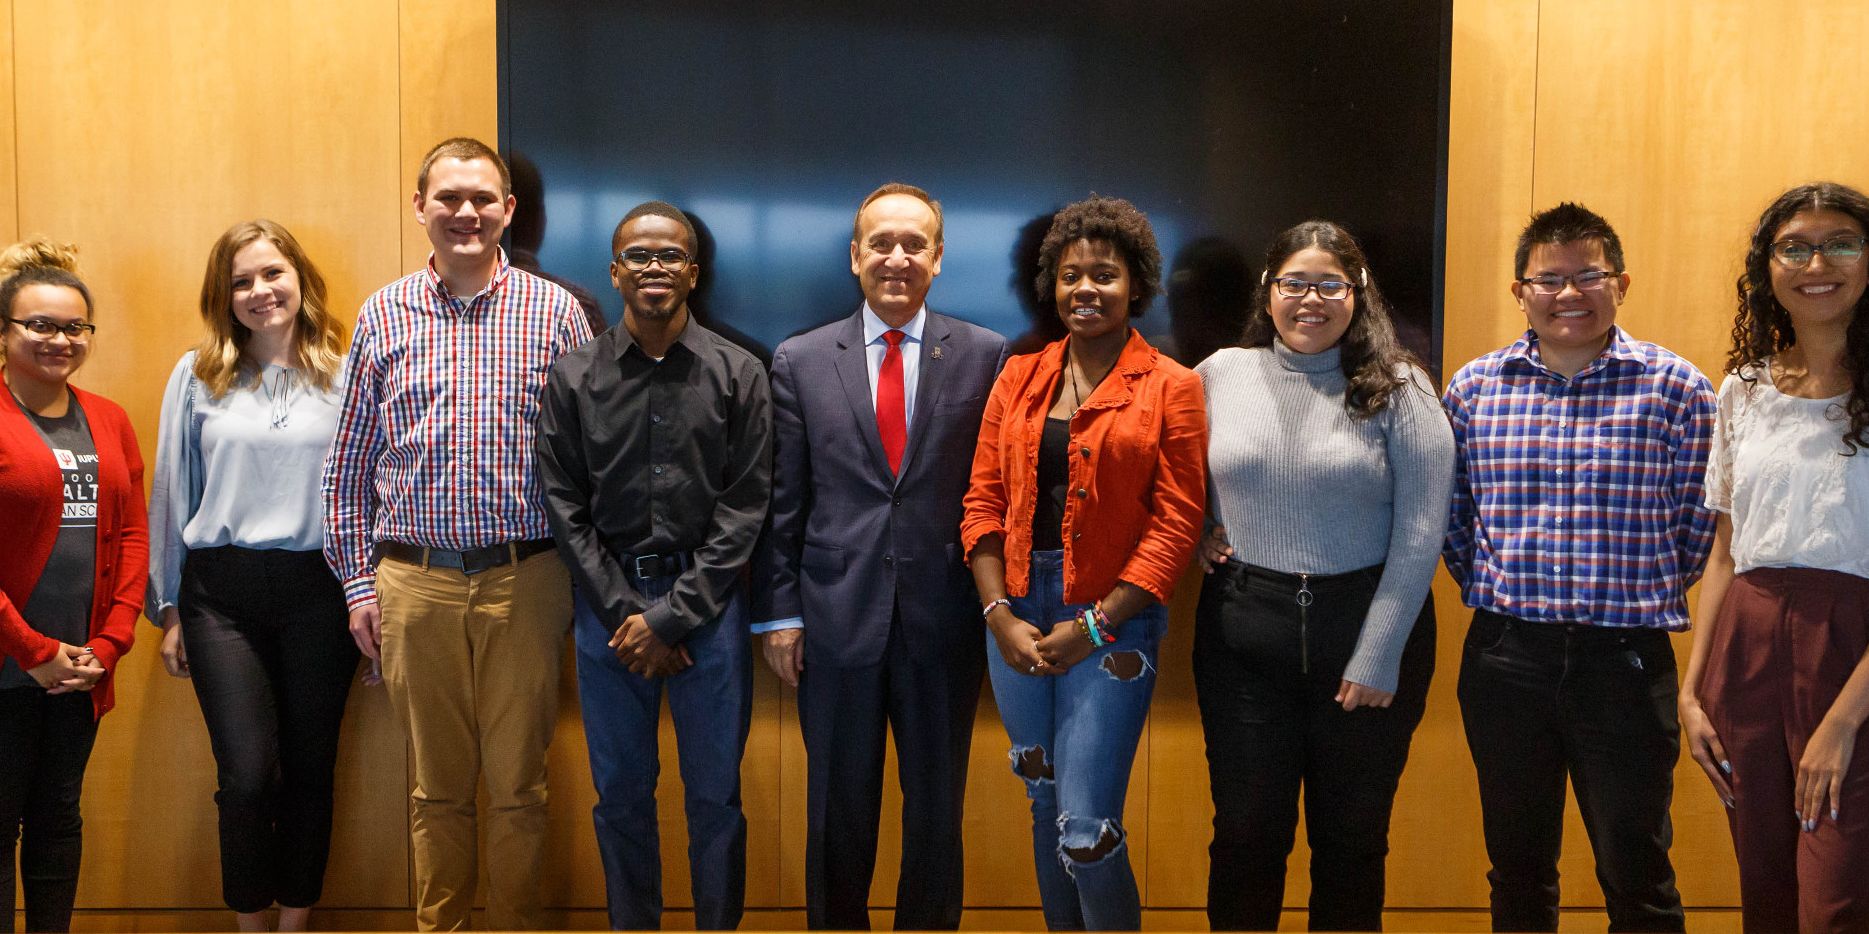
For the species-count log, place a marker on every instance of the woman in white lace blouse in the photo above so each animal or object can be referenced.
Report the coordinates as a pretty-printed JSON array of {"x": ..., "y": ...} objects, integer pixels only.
[{"x": 1777, "y": 689}]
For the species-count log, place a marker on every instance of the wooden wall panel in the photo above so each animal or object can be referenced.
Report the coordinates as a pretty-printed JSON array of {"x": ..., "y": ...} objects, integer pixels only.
[
  {"x": 143, "y": 131},
  {"x": 9, "y": 191},
  {"x": 448, "y": 85}
]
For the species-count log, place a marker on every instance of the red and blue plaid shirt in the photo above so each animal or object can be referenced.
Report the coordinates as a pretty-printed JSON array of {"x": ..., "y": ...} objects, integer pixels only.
[
  {"x": 434, "y": 445},
  {"x": 1580, "y": 500}
]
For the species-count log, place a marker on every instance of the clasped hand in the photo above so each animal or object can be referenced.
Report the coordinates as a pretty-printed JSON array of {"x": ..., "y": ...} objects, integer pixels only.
[
  {"x": 1027, "y": 649},
  {"x": 644, "y": 653},
  {"x": 71, "y": 668}
]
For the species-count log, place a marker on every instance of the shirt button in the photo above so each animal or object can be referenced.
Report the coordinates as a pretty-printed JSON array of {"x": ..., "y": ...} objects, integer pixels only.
[
  {"x": 1557, "y": 569},
  {"x": 1076, "y": 535},
  {"x": 658, "y": 468},
  {"x": 897, "y": 502},
  {"x": 889, "y": 560},
  {"x": 1084, "y": 451},
  {"x": 1081, "y": 492},
  {"x": 656, "y": 419},
  {"x": 1559, "y": 520}
]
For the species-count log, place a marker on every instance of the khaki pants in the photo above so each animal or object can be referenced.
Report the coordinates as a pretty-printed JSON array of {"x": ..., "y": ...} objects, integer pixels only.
[{"x": 471, "y": 664}]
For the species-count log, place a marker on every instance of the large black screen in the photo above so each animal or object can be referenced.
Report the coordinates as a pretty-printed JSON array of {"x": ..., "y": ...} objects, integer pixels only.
[{"x": 1224, "y": 120}]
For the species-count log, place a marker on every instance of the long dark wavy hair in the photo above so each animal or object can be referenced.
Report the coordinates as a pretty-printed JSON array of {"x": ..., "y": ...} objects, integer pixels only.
[
  {"x": 1374, "y": 360},
  {"x": 1763, "y": 328}
]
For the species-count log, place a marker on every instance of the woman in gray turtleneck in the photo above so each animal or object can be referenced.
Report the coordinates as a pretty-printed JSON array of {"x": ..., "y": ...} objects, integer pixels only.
[{"x": 1330, "y": 467}]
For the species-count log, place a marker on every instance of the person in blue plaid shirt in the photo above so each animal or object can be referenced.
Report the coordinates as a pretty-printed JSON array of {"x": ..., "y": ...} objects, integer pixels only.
[{"x": 1578, "y": 523}]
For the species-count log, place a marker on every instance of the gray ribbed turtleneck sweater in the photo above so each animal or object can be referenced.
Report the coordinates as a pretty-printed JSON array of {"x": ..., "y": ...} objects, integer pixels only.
[{"x": 1303, "y": 488}]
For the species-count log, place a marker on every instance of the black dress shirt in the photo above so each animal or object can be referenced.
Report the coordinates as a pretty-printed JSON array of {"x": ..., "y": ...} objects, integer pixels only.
[{"x": 640, "y": 457}]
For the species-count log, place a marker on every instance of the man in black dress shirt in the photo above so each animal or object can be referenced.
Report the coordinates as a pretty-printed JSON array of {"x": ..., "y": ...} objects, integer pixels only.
[{"x": 655, "y": 448}]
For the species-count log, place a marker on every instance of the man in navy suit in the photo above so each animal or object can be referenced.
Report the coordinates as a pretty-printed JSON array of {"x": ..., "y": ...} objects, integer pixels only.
[{"x": 869, "y": 609}]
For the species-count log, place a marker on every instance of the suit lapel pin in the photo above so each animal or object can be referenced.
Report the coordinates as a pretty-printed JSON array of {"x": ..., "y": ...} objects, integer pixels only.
[{"x": 935, "y": 352}]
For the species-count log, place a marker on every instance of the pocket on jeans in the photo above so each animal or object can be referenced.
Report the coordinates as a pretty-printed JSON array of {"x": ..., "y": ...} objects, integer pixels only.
[{"x": 1486, "y": 633}]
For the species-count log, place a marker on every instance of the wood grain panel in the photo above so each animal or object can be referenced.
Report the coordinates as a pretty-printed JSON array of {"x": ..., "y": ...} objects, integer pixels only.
[
  {"x": 9, "y": 188},
  {"x": 143, "y": 131},
  {"x": 448, "y": 86}
]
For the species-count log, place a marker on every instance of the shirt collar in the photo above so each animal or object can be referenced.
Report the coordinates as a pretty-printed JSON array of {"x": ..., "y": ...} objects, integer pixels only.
[
  {"x": 501, "y": 269},
  {"x": 1525, "y": 350},
  {"x": 873, "y": 326},
  {"x": 690, "y": 338}
]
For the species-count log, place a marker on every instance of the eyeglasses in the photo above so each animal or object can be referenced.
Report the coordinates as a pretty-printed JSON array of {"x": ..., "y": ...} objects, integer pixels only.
[
  {"x": 639, "y": 259},
  {"x": 1330, "y": 290},
  {"x": 1838, "y": 251},
  {"x": 77, "y": 331},
  {"x": 1590, "y": 280}
]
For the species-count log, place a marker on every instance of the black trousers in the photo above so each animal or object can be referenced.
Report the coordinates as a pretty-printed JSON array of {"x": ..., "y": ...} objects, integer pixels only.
[
  {"x": 272, "y": 659},
  {"x": 45, "y": 742},
  {"x": 1544, "y": 702},
  {"x": 929, "y": 700},
  {"x": 1267, "y": 672}
]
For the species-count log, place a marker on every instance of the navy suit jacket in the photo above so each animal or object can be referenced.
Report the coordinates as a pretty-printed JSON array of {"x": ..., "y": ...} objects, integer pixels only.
[{"x": 848, "y": 542}]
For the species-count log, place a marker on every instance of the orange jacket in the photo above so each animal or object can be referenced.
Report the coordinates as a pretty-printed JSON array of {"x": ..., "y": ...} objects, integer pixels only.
[{"x": 1138, "y": 472}]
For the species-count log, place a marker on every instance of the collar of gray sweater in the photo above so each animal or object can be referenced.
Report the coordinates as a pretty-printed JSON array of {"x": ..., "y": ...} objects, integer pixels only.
[{"x": 1321, "y": 362}]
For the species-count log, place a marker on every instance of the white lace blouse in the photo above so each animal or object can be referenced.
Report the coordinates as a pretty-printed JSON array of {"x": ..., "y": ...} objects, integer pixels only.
[{"x": 1796, "y": 497}]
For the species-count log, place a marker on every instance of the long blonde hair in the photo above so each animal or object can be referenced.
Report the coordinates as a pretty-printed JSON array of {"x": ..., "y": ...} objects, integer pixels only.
[{"x": 317, "y": 337}]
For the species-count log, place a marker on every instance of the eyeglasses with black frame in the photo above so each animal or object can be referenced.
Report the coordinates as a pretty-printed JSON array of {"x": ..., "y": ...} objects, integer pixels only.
[
  {"x": 42, "y": 328},
  {"x": 1838, "y": 251},
  {"x": 638, "y": 259},
  {"x": 1330, "y": 290},
  {"x": 1590, "y": 280}
]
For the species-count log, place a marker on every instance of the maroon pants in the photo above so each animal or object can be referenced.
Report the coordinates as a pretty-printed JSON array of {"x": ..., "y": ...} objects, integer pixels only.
[{"x": 1786, "y": 641}]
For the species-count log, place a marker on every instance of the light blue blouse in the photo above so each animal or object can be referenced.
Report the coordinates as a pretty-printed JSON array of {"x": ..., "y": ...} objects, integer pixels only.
[{"x": 239, "y": 470}]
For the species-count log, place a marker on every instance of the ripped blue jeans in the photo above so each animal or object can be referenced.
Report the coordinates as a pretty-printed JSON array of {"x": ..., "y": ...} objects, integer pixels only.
[{"x": 1073, "y": 741}]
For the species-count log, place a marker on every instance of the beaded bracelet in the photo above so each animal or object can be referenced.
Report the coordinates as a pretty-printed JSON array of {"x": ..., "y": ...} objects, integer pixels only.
[{"x": 987, "y": 610}]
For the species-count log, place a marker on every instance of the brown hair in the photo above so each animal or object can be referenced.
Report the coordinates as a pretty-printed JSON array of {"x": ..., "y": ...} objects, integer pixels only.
[
  {"x": 317, "y": 336},
  {"x": 466, "y": 149}
]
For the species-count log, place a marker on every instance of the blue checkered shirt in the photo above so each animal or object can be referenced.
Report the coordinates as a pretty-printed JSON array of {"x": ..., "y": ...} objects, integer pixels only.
[{"x": 1580, "y": 500}]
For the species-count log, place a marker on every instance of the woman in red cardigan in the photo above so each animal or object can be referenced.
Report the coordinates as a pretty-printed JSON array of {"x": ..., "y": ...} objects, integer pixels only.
[{"x": 73, "y": 562}]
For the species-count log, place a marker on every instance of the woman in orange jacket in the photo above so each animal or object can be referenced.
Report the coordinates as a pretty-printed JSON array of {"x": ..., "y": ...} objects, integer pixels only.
[{"x": 1087, "y": 495}]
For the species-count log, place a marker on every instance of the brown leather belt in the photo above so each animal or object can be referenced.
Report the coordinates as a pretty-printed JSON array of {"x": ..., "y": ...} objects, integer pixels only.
[{"x": 470, "y": 562}]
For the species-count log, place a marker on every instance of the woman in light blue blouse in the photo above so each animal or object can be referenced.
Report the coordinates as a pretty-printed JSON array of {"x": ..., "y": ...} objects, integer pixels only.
[{"x": 238, "y": 582}]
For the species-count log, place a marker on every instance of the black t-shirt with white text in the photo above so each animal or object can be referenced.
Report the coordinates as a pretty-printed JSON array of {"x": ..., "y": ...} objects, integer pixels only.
[{"x": 60, "y": 604}]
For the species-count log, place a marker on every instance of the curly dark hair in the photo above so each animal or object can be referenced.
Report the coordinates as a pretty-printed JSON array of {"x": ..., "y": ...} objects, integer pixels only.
[
  {"x": 1374, "y": 360},
  {"x": 1763, "y": 328},
  {"x": 1114, "y": 221}
]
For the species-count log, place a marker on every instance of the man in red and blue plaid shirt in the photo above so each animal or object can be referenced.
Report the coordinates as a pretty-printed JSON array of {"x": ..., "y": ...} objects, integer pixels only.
[
  {"x": 435, "y": 522},
  {"x": 1578, "y": 524}
]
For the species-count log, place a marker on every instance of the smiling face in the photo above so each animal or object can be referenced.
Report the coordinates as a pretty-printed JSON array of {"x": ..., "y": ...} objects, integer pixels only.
[
  {"x": 1823, "y": 291},
  {"x": 48, "y": 361},
  {"x": 1310, "y": 323},
  {"x": 463, "y": 211},
  {"x": 1092, "y": 290},
  {"x": 655, "y": 292},
  {"x": 895, "y": 256},
  {"x": 1571, "y": 322},
  {"x": 264, "y": 289}
]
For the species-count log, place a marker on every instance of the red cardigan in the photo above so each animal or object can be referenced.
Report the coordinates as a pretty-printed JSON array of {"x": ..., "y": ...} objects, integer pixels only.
[{"x": 32, "y": 499}]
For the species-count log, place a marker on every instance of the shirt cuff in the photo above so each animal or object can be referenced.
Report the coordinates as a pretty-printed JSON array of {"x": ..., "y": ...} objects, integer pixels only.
[
  {"x": 360, "y": 591},
  {"x": 774, "y": 625}
]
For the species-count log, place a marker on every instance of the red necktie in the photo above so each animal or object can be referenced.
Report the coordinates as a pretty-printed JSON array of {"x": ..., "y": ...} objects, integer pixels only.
[{"x": 891, "y": 407}]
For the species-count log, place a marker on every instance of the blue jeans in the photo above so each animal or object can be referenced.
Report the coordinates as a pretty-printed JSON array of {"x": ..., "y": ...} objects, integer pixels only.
[
  {"x": 1073, "y": 741},
  {"x": 712, "y": 706}
]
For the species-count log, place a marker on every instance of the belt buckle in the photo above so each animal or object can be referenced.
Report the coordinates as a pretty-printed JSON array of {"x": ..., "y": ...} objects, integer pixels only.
[
  {"x": 642, "y": 573},
  {"x": 479, "y": 560}
]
